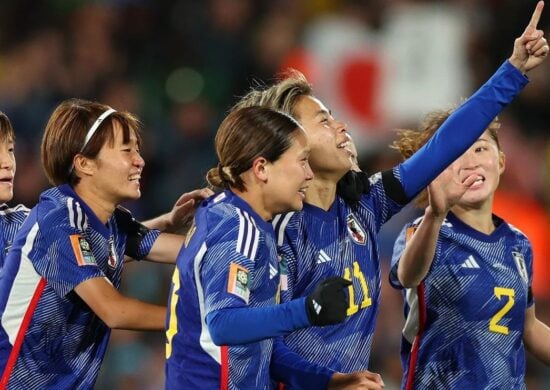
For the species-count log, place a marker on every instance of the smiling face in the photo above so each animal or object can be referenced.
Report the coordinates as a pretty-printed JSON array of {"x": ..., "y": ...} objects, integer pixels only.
[
  {"x": 288, "y": 177},
  {"x": 485, "y": 160},
  {"x": 117, "y": 168},
  {"x": 331, "y": 152},
  {"x": 7, "y": 170}
]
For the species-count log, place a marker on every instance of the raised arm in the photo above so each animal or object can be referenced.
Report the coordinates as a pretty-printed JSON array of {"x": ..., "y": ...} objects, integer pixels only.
[
  {"x": 444, "y": 192},
  {"x": 467, "y": 122}
]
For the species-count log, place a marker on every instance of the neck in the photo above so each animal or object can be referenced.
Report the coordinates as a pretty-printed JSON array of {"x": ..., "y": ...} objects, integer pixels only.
[
  {"x": 321, "y": 193},
  {"x": 102, "y": 208},
  {"x": 479, "y": 218},
  {"x": 256, "y": 201}
]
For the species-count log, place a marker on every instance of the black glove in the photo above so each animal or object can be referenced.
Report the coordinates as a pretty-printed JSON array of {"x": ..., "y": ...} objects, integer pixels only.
[
  {"x": 328, "y": 304},
  {"x": 134, "y": 229},
  {"x": 352, "y": 186}
]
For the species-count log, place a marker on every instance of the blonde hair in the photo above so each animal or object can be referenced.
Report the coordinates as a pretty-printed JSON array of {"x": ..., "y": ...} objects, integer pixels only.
[{"x": 281, "y": 96}]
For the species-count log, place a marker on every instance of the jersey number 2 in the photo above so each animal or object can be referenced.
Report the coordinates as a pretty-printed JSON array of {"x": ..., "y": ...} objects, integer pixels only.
[
  {"x": 356, "y": 273},
  {"x": 499, "y": 293}
]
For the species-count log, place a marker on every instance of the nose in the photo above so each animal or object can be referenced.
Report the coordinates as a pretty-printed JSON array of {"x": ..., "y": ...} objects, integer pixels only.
[
  {"x": 340, "y": 126},
  {"x": 469, "y": 161},
  {"x": 139, "y": 161},
  {"x": 309, "y": 172},
  {"x": 6, "y": 161}
]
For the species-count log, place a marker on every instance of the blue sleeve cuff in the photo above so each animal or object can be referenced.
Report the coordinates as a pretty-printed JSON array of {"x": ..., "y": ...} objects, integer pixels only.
[
  {"x": 291, "y": 369},
  {"x": 147, "y": 243},
  {"x": 242, "y": 325}
]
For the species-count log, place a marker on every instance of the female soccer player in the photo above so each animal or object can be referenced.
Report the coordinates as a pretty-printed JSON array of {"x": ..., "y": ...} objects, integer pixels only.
[
  {"x": 332, "y": 237},
  {"x": 11, "y": 218},
  {"x": 59, "y": 293},
  {"x": 467, "y": 277},
  {"x": 225, "y": 289}
]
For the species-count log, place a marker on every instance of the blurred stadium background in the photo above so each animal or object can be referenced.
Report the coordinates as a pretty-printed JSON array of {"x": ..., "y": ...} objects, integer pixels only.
[{"x": 180, "y": 65}]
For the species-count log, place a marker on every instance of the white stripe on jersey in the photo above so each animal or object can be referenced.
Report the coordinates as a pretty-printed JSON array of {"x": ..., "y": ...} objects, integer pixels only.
[
  {"x": 79, "y": 220},
  {"x": 22, "y": 290},
  {"x": 15, "y": 209},
  {"x": 281, "y": 228},
  {"x": 412, "y": 325},
  {"x": 249, "y": 236},
  {"x": 205, "y": 339}
]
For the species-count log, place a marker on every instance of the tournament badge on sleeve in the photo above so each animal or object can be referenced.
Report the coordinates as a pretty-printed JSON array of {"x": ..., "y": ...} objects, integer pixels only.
[
  {"x": 82, "y": 251},
  {"x": 238, "y": 282}
]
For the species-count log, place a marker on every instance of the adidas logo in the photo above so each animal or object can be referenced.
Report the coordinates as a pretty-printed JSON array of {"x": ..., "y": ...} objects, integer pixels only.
[
  {"x": 272, "y": 271},
  {"x": 316, "y": 306},
  {"x": 323, "y": 257},
  {"x": 470, "y": 262}
]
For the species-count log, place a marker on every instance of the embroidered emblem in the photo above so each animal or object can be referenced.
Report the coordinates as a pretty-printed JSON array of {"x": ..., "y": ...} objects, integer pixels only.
[
  {"x": 355, "y": 230},
  {"x": 520, "y": 265}
]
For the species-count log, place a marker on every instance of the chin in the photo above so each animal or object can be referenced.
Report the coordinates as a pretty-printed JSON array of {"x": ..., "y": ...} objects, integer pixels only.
[{"x": 6, "y": 196}]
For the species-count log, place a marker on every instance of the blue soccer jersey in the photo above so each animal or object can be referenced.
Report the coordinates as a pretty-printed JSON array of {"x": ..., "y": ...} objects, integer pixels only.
[
  {"x": 315, "y": 244},
  {"x": 229, "y": 262},
  {"x": 464, "y": 322},
  {"x": 11, "y": 220},
  {"x": 49, "y": 337}
]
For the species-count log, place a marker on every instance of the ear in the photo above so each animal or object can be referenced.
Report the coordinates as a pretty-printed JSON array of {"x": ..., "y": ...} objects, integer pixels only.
[
  {"x": 260, "y": 168},
  {"x": 501, "y": 162},
  {"x": 83, "y": 166}
]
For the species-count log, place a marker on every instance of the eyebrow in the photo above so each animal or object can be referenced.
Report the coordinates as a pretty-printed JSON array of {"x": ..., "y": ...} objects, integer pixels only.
[{"x": 323, "y": 112}]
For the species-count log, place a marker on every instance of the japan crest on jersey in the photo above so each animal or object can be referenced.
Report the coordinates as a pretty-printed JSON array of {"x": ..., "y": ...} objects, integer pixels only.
[
  {"x": 520, "y": 265},
  {"x": 355, "y": 230}
]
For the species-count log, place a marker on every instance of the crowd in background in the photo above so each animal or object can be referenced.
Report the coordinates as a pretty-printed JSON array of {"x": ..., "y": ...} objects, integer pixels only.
[{"x": 180, "y": 65}]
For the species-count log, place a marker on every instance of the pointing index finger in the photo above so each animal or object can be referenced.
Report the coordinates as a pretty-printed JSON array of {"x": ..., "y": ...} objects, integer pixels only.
[{"x": 536, "y": 15}]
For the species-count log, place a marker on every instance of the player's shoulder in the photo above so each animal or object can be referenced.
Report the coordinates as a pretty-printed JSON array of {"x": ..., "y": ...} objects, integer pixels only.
[
  {"x": 224, "y": 214},
  {"x": 56, "y": 208}
]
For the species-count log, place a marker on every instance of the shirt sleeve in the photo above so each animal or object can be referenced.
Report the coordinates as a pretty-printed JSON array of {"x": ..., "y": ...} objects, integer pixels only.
[
  {"x": 148, "y": 242},
  {"x": 461, "y": 129},
  {"x": 291, "y": 369},
  {"x": 233, "y": 326},
  {"x": 63, "y": 255},
  {"x": 226, "y": 271},
  {"x": 398, "y": 249}
]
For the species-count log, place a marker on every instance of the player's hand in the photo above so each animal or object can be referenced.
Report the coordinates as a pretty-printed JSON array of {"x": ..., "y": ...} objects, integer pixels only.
[
  {"x": 531, "y": 48},
  {"x": 356, "y": 380},
  {"x": 183, "y": 210},
  {"x": 328, "y": 304},
  {"x": 447, "y": 189}
]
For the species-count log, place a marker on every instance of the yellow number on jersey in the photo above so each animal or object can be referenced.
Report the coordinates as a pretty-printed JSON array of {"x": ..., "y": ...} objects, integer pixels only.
[
  {"x": 499, "y": 293},
  {"x": 367, "y": 301},
  {"x": 173, "y": 328}
]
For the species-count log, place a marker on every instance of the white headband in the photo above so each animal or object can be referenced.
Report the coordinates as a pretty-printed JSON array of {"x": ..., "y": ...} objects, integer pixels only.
[{"x": 94, "y": 127}]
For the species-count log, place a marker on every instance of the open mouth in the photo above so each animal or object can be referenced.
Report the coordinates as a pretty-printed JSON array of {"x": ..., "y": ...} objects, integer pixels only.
[{"x": 135, "y": 178}]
